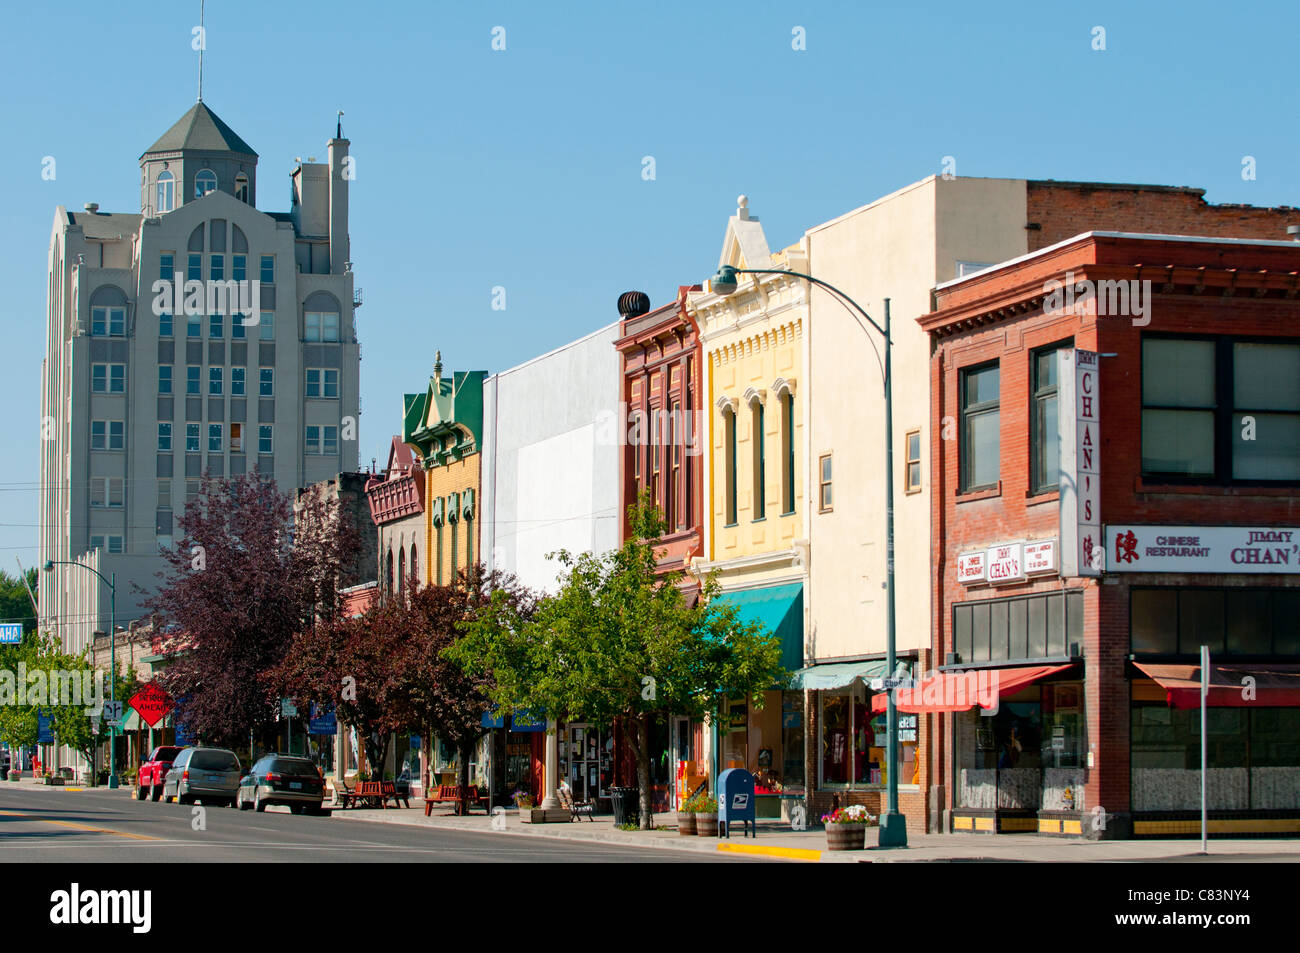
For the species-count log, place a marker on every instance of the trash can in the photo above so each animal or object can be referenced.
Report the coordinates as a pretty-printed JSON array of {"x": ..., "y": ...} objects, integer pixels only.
[{"x": 626, "y": 804}]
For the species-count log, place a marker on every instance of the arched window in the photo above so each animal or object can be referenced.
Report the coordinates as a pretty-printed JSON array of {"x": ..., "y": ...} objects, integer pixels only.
[
  {"x": 241, "y": 187},
  {"x": 760, "y": 460},
  {"x": 729, "y": 450},
  {"x": 415, "y": 566},
  {"x": 389, "y": 571},
  {"x": 204, "y": 182},
  {"x": 787, "y": 452},
  {"x": 166, "y": 191},
  {"x": 437, "y": 561},
  {"x": 401, "y": 569}
]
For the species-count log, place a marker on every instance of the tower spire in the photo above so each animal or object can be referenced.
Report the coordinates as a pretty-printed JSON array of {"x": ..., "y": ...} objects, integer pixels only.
[{"x": 203, "y": 42}]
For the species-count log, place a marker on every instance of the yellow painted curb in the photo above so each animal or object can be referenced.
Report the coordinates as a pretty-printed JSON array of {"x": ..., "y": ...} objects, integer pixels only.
[{"x": 793, "y": 853}]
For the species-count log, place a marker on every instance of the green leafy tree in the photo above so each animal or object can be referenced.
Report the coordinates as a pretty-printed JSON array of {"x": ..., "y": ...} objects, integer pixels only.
[
  {"x": 15, "y": 602},
  {"x": 17, "y": 722},
  {"x": 618, "y": 642}
]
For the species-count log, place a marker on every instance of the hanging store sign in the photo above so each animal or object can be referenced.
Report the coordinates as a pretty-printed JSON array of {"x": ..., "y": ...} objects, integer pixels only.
[
  {"x": 971, "y": 568},
  {"x": 1203, "y": 549},
  {"x": 1040, "y": 557},
  {"x": 1078, "y": 402},
  {"x": 1007, "y": 562}
]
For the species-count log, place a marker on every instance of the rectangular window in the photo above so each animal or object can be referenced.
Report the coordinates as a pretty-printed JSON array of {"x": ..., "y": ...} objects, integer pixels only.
[
  {"x": 237, "y": 326},
  {"x": 330, "y": 437},
  {"x": 214, "y": 438},
  {"x": 1045, "y": 433},
  {"x": 194, "y": 268},
  {"x": 313, "y": 381},
  {"x": 216, "y": 326},
  {"x": 760, "y": 463},
  {"x": 116, "y": 491},
  {"x": 239, "y": 267},
  {"x": 192, "y": 489},
  {"x": 191, "y": 438},
  {"x": 193, "y": 326},
  {"x": 164, "y": 378},
  {"x": 1179, "y": 404},
  {"x": 311, "y": 326},
  {"x": 99, "y": 435},
  {"x": 164, "y": 436},
  {"x": 236, "y": 438},
  {"x": 97, "y": 542},
  {"x": 108, "y": 378},
  {"x": 264, "y": 438},
  {"x": 165, "y": 325},
  {"x": 912, "y": 464},
  {"x": 330, "y": 384},
  {"x": 825, "y": 473},
  {"x": 266, "y": 381},
  {"x": 164, "y": 494},
  {"x": 676, "y": 514},
  {"x": 311, "y": 441},
  {"x": 1230, "y": 621},
  {"x": 266, "y": 326},
  {"x": 192, "y": 382},
  {"x": 268, "y": 269},
  {"x": 108, "y": 321},
  {"x": 215, "y": 375},
  {"x": 116, "y": 435},
  {"x": 98, "y": 491},
  {"x": 980, "y": 422},
  {"x": 237, "y": 381},
  {"x": 115, "y": 544},
  {"x": 217, "y": 269},
  {"x": 1221, "y": 409},
  {"x": 167, "y": 267},
  {"x": 329, "y": 327}
]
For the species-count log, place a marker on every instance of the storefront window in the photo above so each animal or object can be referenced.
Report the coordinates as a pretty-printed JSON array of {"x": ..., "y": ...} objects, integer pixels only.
[
  {"x": 836, "y": 757},
  {"x": 587, "y": 760},
  {"x": 854, "y": 741},
  {"x": 999, "y": 757},
  {"x": 792, "y": 741}
]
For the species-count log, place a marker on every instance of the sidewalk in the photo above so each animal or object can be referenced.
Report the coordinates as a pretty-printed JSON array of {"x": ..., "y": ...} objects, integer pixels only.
[{"x": 778, "y": 841}]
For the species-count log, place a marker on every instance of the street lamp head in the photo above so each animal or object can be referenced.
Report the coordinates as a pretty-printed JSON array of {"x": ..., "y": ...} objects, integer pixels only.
[
  {"x": 724, "y": 282},
  {"x": 49, "y": 565}
]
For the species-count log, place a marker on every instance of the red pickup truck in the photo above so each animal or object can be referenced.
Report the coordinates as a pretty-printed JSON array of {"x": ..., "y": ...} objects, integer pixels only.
[{"x": 152, "y": 772}]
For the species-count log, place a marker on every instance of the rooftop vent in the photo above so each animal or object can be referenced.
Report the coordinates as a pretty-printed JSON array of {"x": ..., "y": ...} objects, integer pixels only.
[
  {"x": 92, "y": 207},
  {"x": 633, "y": 304}
]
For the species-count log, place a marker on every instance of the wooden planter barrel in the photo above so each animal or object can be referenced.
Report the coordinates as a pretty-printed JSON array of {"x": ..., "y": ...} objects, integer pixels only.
[
  {"x": 706, "y": 825},
  {"x": 846, "y": 836},
  {"x": 685, "y": 823}
]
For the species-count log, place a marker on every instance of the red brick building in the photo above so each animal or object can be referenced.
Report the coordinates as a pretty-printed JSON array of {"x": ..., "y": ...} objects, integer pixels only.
[{"x": 1157, "y": 378}]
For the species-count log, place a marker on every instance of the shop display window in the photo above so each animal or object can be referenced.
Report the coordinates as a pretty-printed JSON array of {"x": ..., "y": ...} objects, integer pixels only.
[{"x": 854, "y": 742}]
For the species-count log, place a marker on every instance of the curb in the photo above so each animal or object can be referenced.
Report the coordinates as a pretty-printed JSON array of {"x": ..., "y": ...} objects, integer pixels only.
[{"x": 786, "y": 853}]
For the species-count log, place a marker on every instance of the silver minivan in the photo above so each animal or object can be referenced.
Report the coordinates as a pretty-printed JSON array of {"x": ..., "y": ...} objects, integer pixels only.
[{"x": 210, "y": 775}]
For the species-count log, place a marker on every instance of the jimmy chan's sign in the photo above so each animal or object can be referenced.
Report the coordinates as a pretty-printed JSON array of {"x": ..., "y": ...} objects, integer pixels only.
[
  {"x": 1079, "y": 423},
  {"x": 1203, "y": 549},
  {"x": 1005, "y": 563}
]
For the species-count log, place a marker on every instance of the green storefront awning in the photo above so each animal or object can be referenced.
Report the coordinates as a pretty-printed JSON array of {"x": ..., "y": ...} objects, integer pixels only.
[
  {"x": 842, "y": 674},
  {"x": 130, "y": 720},
  {"x": 777, "y": 609}
]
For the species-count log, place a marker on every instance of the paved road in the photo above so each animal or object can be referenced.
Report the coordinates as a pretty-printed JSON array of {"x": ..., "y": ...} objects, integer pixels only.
[{"x": 52, "y": 825}]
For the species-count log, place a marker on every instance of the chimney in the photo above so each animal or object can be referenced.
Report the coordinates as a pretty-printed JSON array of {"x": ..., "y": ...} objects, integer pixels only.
[{"x": 340, "y": 173}]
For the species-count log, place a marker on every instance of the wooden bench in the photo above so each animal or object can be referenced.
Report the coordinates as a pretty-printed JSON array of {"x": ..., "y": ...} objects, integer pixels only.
[
  {"x": 378, "y": 794},
  {"x": 450, "y": 793},
  {"x": 345, "y": 795},
  {"x": 576, "y": 809}
]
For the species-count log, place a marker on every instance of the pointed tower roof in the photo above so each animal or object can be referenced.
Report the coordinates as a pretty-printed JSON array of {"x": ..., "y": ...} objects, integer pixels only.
[{"x": 200, "y": 129}]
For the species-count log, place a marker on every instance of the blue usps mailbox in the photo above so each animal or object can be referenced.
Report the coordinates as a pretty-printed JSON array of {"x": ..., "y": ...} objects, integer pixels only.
[{"x": 736, "y": 802}]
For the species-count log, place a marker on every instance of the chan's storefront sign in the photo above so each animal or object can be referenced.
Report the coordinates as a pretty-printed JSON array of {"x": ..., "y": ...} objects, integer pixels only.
[{"x": 1203, "y": 549}]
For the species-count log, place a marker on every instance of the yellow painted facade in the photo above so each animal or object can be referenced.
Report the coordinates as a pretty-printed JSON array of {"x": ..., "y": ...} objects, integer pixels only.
[{"x": 451, "y": 518}]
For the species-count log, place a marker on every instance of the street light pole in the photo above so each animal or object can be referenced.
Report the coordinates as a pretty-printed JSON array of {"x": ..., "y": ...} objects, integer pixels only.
[
  {"x": 111, "y": 582},
  {"x": 893, "y": 825}
]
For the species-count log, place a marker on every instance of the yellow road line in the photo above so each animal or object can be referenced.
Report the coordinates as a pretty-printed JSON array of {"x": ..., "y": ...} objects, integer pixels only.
[
  {"x": 792, "y": 853},
  {"x": 75, "y": 826}
]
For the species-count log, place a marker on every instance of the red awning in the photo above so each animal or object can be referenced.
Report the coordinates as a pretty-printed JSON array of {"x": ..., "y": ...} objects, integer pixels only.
[
  {"x": 961, "y": 691},
  {"x": 1274, "y": 686}
]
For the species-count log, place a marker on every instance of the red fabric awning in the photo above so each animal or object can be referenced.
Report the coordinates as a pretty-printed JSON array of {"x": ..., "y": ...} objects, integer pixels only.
[
  {"x": 962, "y": 691},
  {"x": 1274, "y": 686}
]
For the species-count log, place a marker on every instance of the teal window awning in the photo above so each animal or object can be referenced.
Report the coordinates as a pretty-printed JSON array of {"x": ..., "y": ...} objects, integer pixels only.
[
  {"x": 842, "y": 674},
  {"x": 777, "y": 609}
]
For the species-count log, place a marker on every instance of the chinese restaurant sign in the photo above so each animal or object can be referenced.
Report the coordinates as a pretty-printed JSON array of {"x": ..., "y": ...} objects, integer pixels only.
[
  {"x": 1007, "y": 562},
  {"x": 1212, "y": 549},
  {"x": 1080, "y": 477}
]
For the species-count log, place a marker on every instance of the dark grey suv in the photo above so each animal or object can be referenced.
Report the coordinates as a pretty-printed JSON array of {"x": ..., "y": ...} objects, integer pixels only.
[{"x": 210, "y": 775}]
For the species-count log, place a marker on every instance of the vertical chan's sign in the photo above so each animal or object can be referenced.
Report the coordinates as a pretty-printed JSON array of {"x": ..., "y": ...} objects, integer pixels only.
[{"x": 1079, "y": 417}]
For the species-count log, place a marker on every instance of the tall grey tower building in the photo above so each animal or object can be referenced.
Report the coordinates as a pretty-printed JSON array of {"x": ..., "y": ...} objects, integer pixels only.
[{"x": 199, "y": 335}]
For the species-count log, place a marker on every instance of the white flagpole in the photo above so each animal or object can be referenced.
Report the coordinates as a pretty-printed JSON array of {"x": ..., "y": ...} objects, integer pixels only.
[{"x": 1205, "y": 690}]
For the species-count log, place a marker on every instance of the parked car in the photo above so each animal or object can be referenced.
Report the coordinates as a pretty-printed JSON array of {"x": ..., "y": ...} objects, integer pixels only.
[
  {"x": 282, "y": 779},
  {"x": 210, "y": 775},
  {"x": 154, "y": 772}
]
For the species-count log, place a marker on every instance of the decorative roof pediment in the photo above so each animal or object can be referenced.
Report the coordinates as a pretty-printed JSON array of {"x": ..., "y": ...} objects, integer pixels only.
[
  {"x": 445, "y": 423},
  {"x": 744, "y": 245}
]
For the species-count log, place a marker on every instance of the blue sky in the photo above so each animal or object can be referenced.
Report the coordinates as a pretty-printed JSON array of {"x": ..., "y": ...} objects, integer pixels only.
[{"x": 523, "y": 168}]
